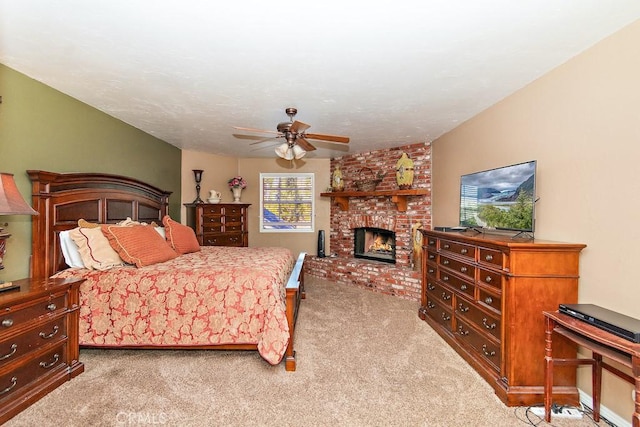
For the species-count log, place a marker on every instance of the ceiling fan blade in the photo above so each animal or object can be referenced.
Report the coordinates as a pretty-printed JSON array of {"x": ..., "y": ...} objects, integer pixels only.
[
  {"x": 324, "y": 137},
  {"x": 264, "y": 139},
  {"x": 255, "y": 130},
  {"x": 251, "y": 137},
  {"x": 305, "y": 144},
  {"x": 299, "y": 127}
]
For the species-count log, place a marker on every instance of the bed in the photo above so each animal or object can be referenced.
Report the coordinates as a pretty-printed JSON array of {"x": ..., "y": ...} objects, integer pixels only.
[{"x": 227, "y": 298}]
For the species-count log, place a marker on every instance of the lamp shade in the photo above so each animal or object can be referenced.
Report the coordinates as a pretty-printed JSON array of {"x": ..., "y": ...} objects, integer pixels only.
[
  {"x": 11, "y": 201},
  {"x": 298, "y": 152},
  {"x": 284, "y": 151}
]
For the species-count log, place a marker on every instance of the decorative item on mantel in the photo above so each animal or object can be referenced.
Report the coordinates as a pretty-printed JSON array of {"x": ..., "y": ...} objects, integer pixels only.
[
  {"x": 404, "y": 172},
  {"x": 369, "y": 181},
  {"x": 236, "y": 184},
  {"x": 214, "y": 196},
  {"x": 337, "y": 181},
  {"x": 197, "y": 175}
]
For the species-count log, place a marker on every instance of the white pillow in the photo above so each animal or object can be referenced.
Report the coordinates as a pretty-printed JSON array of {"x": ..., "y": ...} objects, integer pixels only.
[
  {"x": 161, "y": 232},
  {"x": 70, "y": 250}
]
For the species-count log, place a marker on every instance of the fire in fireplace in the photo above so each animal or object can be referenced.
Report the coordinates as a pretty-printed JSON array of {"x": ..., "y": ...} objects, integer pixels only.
[{"x": 375, "y": 244}]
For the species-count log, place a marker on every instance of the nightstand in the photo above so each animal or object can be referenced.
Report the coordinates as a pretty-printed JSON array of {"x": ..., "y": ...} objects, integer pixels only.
[{"x": 39, "y": 347}]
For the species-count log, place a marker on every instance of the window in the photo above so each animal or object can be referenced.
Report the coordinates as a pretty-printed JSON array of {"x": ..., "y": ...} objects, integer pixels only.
[{"x": 286, "y": 202}]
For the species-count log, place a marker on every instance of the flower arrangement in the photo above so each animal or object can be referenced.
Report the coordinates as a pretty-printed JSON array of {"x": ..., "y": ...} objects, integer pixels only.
[{"x": 237, "y": 182}]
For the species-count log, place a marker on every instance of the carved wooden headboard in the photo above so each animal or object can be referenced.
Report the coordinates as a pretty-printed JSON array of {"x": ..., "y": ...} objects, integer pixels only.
[{"x": 62, "y": 199}]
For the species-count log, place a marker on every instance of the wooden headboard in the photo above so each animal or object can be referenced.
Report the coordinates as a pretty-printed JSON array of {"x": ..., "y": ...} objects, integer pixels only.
[{"x": 62, "y": 199}]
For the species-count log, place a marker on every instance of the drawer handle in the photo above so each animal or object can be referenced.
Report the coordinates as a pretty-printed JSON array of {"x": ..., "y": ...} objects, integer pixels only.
[
  {"x": 46, "y": 365},
  {"x": 486, "y": 325},
  {"x": 462, "y": 308},
  {"x": 445, "y": 278},
  {"x": 461, "y": 331},
  {"x": 431, "y": 256},
  {"x": 430, "y": 271},
  {"x": 463, "y": 269},
  {"x": 445, "y": 317},
  {"x": 464, "y": 251},
  {"x": 489, "y": 257},
  {"x": 430, "y": 287},
  {"x": 445, "y": 262},
  {"x": 463, "y": 287},
  {"x": 51, "y": 335},
  {"x": 14, "y": 381},
  {"x": 7, "y": 323},
  {"x": 446, "y": 246},
  {"x": 487, "y": 353},
  {"x": 488, "y": 279},
  {"x": 446, "y": 296},
  {"x": 14, "y": 348},
  {"x": 488, "y": 300},
  {"x": 51, "y": 307},
  {"x": 432, "y": 242},
  {"x": 430, "y": 304}
]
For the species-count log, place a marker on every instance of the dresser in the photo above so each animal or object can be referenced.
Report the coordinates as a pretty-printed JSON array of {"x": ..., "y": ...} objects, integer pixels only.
[
  {"x": 38, "y": 341},
  {"x": 219, "y": 224},
  {"x": 485, "y": 296}
]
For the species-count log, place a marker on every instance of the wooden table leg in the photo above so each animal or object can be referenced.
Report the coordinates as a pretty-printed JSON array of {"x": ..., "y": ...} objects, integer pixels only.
[
  {"x": 548, "y": 368},
  {"x": 635, "y": 363},
  {"x": 596, "y": 384}
]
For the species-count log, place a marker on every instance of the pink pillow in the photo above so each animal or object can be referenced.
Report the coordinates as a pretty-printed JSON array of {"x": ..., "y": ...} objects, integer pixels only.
[
  {"x": 181, "y": 238},
  {"x": 138, "y": 244}
]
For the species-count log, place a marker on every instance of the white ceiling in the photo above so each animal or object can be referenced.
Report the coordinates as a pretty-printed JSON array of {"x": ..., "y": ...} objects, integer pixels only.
[{"x": 384, "y": 73}]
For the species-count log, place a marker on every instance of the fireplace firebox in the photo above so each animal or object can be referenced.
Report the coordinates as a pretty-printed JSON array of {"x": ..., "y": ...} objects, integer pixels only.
[{"x": 375, "y": 244}]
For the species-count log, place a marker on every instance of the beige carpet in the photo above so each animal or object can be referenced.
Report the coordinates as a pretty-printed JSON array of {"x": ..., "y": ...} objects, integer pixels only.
[{"x": 364, "y": 359}]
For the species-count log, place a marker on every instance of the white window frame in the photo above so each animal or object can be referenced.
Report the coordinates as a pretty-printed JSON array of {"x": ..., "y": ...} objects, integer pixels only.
[{"x": 265, "y": 175}]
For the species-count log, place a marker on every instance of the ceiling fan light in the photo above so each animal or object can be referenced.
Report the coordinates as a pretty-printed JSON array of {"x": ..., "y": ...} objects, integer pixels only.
[
  {"x": 283, "y": 151},
  {"x": 298, "y": 152}
]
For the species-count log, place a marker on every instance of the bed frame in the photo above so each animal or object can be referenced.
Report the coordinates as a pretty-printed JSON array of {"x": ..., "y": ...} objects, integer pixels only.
[{"x": 62, "y": 199}]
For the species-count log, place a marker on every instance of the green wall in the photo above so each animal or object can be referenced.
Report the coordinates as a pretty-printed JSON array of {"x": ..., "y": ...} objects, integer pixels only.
[{"x": 44, "y": 129}]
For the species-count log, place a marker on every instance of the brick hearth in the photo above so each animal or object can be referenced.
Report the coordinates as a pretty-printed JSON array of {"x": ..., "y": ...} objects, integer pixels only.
[{"x": 401, "y": 279}]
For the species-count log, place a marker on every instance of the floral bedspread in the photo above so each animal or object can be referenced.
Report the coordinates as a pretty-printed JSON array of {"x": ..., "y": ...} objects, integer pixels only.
[{"x": 220, "y": 295}]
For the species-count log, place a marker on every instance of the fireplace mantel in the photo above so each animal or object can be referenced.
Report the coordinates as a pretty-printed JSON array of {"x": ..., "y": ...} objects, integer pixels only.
[{"x": 399, "y": 197}]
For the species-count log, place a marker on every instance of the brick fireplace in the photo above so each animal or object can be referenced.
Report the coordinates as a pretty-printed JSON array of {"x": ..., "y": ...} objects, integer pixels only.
[{"x": 377, "y": 212}]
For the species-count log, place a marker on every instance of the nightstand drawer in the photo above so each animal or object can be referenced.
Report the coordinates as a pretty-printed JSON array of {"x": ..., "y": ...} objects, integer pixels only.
[
  {"x": 34, "y": 369},
  {"x": 14, "y": 347},
  {"x": 11, "y": 318}
]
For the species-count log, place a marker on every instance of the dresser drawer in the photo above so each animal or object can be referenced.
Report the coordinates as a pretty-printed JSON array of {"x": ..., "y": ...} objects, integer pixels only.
[
  {"x": 431, "y": 256},
  {"x": 463, "y": 286},
  {"x": 466, "y": 251},
  {"x": 11, "y": 319},
  {"x": 490, "y": 300},
  {"x": 431, "y": 269},
  {"x": 464, "y": 268},
  {"x": 212, "y": 209},
  {"x": 439, "y": 313},
  {"x": 234, "y": 211},
  {"x": 484, "y": 321},
  {"x": 431, "y": 243},
  {"x": 439, "y": 293},
  {"x": 223, "y": 240},
  {"x": 15, "y": 346},
  {"x": 490, "y": 278},
  {"x": 490, "y": 256},
  {"x": 232, "y": 226},
  {"x": 485, "y": 346},
  {"x": 35, "y": 369}
]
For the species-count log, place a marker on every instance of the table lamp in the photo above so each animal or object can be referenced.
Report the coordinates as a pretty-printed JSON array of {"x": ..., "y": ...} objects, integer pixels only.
[{"x": 11, "y": 203}]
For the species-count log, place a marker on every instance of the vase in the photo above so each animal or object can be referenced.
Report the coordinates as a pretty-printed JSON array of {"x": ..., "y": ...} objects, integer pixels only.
[{"x": 237, "y": 192}]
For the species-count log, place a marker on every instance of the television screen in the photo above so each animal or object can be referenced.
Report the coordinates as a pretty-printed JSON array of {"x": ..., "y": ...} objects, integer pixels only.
[{"x": 501, "y": 198}]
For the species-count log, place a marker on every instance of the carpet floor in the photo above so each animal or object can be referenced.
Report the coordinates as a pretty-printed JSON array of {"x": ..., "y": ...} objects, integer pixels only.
[{"x": 364, "y": 359}]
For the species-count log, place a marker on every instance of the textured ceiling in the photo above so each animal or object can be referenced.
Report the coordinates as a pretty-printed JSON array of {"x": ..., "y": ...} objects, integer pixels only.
[{"x": 384, "y": 73}]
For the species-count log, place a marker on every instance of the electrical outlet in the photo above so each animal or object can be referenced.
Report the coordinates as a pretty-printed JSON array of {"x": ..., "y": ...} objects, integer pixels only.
[{"x": 572, "y": 413}]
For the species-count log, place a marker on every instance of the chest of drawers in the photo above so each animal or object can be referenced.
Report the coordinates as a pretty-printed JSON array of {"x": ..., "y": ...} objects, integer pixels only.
[
  {"x": 38, "y": 341},
  {"x": 219, "y": 224},
  {"x": 485, "y": 296}
]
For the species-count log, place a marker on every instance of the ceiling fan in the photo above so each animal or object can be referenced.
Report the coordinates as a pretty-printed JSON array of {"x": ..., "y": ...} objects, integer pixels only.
[{"x": 296, "y": 136}]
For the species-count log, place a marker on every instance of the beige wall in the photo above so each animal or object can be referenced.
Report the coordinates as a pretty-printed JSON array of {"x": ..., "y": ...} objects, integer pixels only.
[
  {"x": 581, "y": 122},
  {"x": 218, "y": 170}
]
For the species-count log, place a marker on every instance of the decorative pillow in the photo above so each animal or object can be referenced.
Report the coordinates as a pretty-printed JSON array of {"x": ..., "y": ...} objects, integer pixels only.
[
  {"x": 125, "y": 223},
  {"x": 70, "y": 250},
  {"x": 138, "y": 244},
  {"x": 181, "y": 238},
  {"x": 94, "y": 248}
]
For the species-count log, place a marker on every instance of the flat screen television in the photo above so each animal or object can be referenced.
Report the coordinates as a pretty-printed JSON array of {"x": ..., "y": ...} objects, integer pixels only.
[{"x": 502, "y": 198}]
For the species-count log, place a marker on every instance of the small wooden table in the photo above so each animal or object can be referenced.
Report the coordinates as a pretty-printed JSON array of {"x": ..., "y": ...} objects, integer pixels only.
[{"x": 600, "y": 343}]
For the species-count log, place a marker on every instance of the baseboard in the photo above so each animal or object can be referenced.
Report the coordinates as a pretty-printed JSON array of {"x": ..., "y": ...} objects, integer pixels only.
[{"x": 587, "y": 400}]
